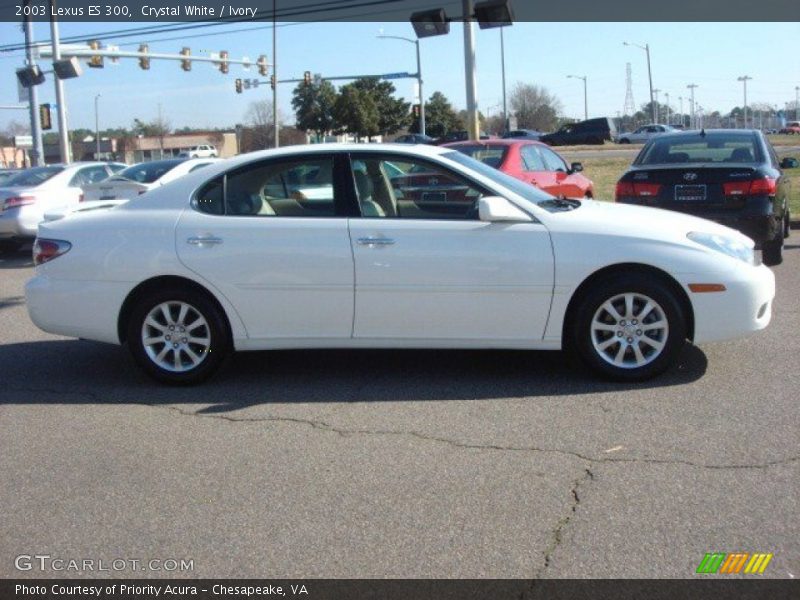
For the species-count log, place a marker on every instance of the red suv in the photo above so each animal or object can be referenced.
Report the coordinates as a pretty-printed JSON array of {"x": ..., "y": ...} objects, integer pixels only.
[{"x": 532, "y": 162}]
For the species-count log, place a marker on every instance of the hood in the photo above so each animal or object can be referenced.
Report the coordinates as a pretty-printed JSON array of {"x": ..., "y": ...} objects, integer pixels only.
[{"x": 628, "y": 220}]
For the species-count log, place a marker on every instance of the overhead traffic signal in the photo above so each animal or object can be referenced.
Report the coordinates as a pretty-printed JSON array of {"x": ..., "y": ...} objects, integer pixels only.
[
  {"x": 186, "y": 64},
  {"x": 223, "y": 61},
  {"x": 95, "y": 61},
  {"x": 272, "y": 82},
  {"x": 262, "y": 65},
  {"x": 144, "y": 61},
  {"x": 44, "y": 117},
  {"x": 416, "y": 110},
  {"x": 307, "y": 78},
  {"x": 238, "y": 85}
]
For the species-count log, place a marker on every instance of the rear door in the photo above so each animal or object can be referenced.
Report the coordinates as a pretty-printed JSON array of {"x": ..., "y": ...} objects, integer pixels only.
[{"x": 283, "y": 261}]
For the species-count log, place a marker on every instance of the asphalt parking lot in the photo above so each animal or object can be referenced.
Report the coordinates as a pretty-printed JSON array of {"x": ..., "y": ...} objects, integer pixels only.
[{"x": 400, "y": 464}]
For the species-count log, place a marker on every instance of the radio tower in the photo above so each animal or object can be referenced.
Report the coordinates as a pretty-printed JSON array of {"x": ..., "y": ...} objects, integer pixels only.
[{"x": 630, "y": 108}]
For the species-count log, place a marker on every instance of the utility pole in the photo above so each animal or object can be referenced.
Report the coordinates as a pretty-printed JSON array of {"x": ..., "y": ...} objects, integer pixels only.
[
  {"x": 667, "y": 95},
  {"x": 796, "y": 100},
  {"x": 680, "y": 99},
  {"x": 744, "y": 79},
  {"x": 469, "y": 71},
  {"x": 63, "y": 132},
  {"x": 96, "y": 128},
  {"x": 275, "y": 121},
  {"x": 646, "y": 48},
  {"x": 692, "y": 86},
  {"x": 37, "y": 152},
  {"x": 419, "y": 78}
]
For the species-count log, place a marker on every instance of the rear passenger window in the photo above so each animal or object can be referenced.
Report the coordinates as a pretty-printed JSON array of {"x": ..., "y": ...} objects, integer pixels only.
[{"x": 297, "y": 188}]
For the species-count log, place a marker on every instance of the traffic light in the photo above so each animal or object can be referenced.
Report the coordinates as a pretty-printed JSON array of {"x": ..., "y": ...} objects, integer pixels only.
[
  {"x": 307, "y": 78},
  {"x": 144, "y": 61},
  {"x": 186, "y": 64},
  {"x": 95, "y": 61},
  {"x": 272, "y": 82},
  {"x": 238, "y": 86},
  {"x": 416, "y": 110},
  {"x": 44, "y": 117},
  {"x": 262, "y": 65},
  {"x": 223, "y": 61}
]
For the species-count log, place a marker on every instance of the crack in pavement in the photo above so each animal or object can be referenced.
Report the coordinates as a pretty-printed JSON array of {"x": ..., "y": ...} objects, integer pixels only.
[
  {"x": 323, "y": 426},
  {"x": 556, "y": 538}
]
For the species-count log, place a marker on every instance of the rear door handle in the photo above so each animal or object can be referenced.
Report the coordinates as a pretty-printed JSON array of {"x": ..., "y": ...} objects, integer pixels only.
[
  {"x": 205, "y": 240},
  {"x": 375, "y": 241}
]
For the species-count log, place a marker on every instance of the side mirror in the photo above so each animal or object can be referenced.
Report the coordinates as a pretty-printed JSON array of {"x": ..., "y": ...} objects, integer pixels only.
[
  {"x": 789, "y": 163},
  {"x": 495, "y": 209},
  {"x": 576, "y": 167}
]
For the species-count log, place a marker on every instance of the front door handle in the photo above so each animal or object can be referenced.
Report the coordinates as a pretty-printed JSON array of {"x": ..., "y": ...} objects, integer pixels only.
[
  {"x": 205, "y": 240},
  {"x": 375, "y": 241}
]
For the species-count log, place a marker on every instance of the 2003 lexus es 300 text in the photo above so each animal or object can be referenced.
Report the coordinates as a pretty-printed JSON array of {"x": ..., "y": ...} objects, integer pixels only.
[{"x": 338, "y": 246}]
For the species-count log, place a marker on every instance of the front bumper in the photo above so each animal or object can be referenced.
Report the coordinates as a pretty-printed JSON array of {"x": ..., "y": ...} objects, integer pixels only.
[{"x": 742, "y": 309}]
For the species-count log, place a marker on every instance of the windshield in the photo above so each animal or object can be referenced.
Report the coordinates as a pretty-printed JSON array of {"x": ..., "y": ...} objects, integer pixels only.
[
  {"x": 526, "y": 190},
  {"x": 34, "y": 176},
  {"x": 717, "y": 147},
  {"x": 149, "y": 172}
]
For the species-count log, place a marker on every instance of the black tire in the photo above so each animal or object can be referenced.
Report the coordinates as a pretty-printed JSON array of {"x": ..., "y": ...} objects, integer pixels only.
[
  {"x": 214, "y": 328},
  {"x": 624, "y": 141},
  {"x": 9, "y": 246},
  {"x": 772, "y": 251},
  {"x": 583, "y": 337},
  {"x": 787, "y": 225}
]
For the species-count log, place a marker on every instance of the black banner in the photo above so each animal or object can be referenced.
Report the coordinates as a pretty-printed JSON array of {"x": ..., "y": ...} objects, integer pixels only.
[
  {"x": 239, "y": 11},
  {"x": 401, "y": 589}
]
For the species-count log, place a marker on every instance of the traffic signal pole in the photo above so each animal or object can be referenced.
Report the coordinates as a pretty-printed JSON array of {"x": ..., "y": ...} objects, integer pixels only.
[
  {"x": 37, "y": 152},
  {"x": 61, "y": 109}
]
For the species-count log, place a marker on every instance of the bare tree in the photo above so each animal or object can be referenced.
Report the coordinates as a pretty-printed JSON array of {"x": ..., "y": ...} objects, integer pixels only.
[
  {"x": 534, "y": 107},
  {"x": 260, "y": 126}
]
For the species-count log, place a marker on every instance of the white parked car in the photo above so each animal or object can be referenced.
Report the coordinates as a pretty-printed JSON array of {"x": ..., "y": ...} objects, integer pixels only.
[
  {"x": 27, "y": 196},
  {"x": 644, "y": 133},
  {"x": 201, "y": 151},
  {"x": 240, "y": 256}
]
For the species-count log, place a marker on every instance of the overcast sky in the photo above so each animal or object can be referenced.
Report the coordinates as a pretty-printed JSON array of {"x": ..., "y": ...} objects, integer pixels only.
[{"x": 711, "y": 55}]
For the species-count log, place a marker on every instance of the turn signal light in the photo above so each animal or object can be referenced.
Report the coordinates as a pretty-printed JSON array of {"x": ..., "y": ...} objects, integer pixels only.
[{"x": 45, "y": 250}]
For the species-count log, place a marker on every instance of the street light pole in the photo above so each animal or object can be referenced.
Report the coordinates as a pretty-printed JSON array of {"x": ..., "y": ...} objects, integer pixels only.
[
  {"x": 692, "y": 86},
  {"x": 63, "y": 132},
  {"x": 585, "y": 95},
  {"x": 646, "y": 48},
  {"x": 469, "y": 72},
  {"x": 667, "y": 96},
  {"x": 744, "y": 79},
  {"x": 275, "y": 124},
  {"x": 503, "y": 70},
  {"x": 419, "y": 79},
  {"x": 680, "y": 99},
  {"x": 657, "y": 106},
  {"x": 37, "y": 152},
  {"x": 796, "y": 100},
  {"x": 96, "y": 128}
]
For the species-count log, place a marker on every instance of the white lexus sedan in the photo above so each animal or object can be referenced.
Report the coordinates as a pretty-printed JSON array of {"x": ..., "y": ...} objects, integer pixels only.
[{"x": 389, "y": 246}]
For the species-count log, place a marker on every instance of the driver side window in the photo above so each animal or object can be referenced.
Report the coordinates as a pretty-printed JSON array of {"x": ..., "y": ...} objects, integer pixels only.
[
  {"x": 552, "y": 161},
  {"x": 389, "y": 187}
]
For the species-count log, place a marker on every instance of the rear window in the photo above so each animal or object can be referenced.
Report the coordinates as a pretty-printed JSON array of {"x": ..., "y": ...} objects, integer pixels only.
[
  {"x": 716, "y": 148},
  {"x": 149, "y": 172},
  {"x": 34, "y": 176},
  {"x": 488, "y": 155}
]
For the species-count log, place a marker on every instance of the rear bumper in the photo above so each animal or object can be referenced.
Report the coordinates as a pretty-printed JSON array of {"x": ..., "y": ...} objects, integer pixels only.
[
  {"x": 19, "y": 223},
  {"x": 742, "y": 309}
]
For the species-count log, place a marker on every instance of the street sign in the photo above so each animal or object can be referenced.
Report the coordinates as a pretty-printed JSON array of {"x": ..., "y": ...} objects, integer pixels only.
[
  {"x": 23, "y": 93},
  {"x": 23, "y": 141},
  {"x": 402, "y": 75}
]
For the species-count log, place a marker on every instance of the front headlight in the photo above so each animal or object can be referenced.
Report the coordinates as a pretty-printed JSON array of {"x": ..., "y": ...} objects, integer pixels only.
[{"x": 732, "y": 247}]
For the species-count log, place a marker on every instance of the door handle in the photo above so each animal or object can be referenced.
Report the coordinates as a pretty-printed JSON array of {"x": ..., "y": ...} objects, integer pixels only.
[
  {"x": 375, "y": 241},
  {"x": 204, "y": 241}
]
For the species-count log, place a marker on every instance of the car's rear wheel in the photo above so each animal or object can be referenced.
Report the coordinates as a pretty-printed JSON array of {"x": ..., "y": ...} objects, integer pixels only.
[
  {"x": 787, "y": 225},
  {"x": 178, "y": 337},
  {"x": 772, "y": 251},
  {"x": 629, "y": 329},
  {"x": 624, "y": 141}
]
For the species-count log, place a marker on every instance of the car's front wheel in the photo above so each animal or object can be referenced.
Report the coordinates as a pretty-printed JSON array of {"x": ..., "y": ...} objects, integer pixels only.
[
  {"x": 629, "y": 329},
  {"x": 178, "y": 337},
  {"x": 772, "y": 251}
]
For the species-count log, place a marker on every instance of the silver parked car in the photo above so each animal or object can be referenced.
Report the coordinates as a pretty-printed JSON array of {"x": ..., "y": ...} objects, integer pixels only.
[
  {"x": 644, "y": 133},
  {"x": 24, "y": 198}
]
